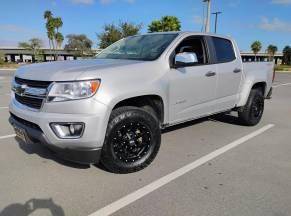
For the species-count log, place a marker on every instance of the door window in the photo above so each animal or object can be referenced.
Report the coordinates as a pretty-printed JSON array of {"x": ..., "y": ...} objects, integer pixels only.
[
  {"x": 196, "y": 45},
  {"x": 223, "y": 49}
]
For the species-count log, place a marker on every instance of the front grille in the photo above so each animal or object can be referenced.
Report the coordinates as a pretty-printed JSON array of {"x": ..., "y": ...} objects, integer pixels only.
[
  {"x": 33, "y": 83},
  {"x": 26, "y": 123},
  {"x": 29, "y": 101},
  {"x": 34, "y": 101}
]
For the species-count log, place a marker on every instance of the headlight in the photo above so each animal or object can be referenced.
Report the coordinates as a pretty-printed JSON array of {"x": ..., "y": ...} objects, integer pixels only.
[{"x": 63, "y": 91}]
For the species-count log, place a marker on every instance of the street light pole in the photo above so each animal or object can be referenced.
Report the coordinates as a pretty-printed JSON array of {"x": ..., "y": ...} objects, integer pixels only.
[
  {"x": 207, "y": 24},
  {"x": 216, "y": 18}
]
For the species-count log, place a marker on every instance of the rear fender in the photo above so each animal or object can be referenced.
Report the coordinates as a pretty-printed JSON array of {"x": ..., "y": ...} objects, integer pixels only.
[{"x": 246, "y": 89}]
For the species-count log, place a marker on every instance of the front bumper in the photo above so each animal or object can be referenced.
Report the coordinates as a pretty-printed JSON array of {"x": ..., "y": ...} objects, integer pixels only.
[
  {"x": 34, "y": 133},
  {"x": 36, "y": 124}
]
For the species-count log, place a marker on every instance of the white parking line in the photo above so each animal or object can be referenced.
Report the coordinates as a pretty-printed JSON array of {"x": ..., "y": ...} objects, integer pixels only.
[
  {"x": 4, "y": 108},
  {"x": 7, "y": 136},
  {"x": 130, "y": 198},
  {"x": 283, "y": 84}
]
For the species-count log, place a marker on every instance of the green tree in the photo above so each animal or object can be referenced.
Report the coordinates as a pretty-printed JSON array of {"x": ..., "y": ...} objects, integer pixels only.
[
  {"x": 2, "y": 58},
  {"x": 47, "y": 15},
  {"x": 58, "y": 23},
  {"x": 165, "y": 24},
  {"x": 287, "y": 55},
  {"x": 59, "y": 39},
  {"x": 256, "y": 48},
  {"x": 49, "y": 27},
  {"x": 129, "y": 29},
  {"x": 80, "y": 44},
  {"x": 35, "y": 45},
  {"x": 113, "y": 33},
  {"x": 53, "y": 24},
  {"x": 110, "y": 35},
  {"x": 271, "y": 50}
]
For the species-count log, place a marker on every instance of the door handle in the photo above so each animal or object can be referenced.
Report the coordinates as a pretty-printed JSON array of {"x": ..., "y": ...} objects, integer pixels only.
[
  {"x": 210, "y": 74},
  {"x": 237, "y": 70}
]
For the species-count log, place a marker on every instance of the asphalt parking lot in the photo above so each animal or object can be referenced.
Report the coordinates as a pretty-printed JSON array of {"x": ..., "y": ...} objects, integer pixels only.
[{"x": 209, "y": 167}]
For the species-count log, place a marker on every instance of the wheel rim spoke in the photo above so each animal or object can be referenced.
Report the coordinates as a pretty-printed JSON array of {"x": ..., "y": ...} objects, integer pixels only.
[
  {"x": 131, "y": 142},
  {"x": 257, "y": 108}
]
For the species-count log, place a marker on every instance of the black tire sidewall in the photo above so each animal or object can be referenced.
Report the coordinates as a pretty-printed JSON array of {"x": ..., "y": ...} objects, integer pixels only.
[
  {"x": 246, "y": 115},
  {"x": 120, "y": 117}
]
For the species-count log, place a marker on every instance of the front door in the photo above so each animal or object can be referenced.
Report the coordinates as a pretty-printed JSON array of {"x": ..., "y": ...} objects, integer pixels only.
[{"x": 192, "y": 88}]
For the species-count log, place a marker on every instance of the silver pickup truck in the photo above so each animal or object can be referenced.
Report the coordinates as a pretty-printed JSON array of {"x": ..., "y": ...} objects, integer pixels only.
[{"x": 111, "y": 109}]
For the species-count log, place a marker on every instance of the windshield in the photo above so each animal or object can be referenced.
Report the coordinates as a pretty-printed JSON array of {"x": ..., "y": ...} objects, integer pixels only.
[{"x": 143, "y": 47}]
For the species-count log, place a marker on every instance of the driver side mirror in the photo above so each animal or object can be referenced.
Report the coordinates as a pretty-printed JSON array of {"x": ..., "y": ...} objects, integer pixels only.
[{"x": 185, "y": 59}]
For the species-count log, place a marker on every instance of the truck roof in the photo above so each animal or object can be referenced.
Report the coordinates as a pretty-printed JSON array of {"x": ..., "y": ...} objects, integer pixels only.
[{"x": 191, "y": 33}]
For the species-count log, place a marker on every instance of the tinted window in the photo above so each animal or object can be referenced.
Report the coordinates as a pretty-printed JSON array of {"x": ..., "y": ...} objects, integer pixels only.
[
  {"x": 143, "y": 47},
  {"x": 224, "y": 50}
]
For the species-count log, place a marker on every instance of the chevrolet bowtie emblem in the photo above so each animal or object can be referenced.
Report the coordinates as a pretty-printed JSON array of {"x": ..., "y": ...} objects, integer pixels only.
[{"x": 21, "y": 89}]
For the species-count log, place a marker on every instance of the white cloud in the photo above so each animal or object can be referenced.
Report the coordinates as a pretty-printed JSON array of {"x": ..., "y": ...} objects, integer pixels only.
[
  {"x": 197, "y": 20},
  {"x": 104, "y": 2},
  {"x": 14, "y": 43},
  {"x": 14, "y": 28},
  {"x": 282, "y": 2},
  {"x": 86, "y": 2},
  {"x": 234, "y": 3},
  {"x": 274, "y": 25},
  {"x": 8, "y": 43},
  {"x": 130, "y": 1}
]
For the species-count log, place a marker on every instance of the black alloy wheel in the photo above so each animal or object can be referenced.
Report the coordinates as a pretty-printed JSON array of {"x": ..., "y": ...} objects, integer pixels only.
[{"x": 132, "y": 140}]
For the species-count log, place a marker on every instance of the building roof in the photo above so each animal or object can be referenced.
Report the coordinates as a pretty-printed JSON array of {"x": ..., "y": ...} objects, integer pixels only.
[{"x": 46, "y": 51}]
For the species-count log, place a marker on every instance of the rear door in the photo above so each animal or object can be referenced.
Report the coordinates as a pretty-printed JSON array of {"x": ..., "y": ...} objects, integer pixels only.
[{"x": 229, "y": 73}]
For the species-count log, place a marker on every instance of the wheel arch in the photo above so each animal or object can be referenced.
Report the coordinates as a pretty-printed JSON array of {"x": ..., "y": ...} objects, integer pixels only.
[
  {"x": 155, "y": 101},
  {"x": 260, "y": 85},
  {"x": 248, "y": 86}
]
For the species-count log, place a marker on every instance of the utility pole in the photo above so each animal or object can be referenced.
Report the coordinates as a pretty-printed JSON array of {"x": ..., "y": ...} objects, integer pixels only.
[
  {"x": 216, "y": 18},
  {"x": 207, "y": 24}
]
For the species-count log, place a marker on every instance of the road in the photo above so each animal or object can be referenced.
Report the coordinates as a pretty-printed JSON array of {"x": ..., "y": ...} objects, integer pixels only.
[{"x": 216, "y": 167}]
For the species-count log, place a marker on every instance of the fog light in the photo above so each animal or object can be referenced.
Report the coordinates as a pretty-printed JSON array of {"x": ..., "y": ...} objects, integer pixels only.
[{"x": 68, "y": 130}]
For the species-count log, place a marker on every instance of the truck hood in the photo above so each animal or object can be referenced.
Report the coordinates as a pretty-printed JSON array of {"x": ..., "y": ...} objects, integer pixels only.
[{"x": 69, "y": 70}]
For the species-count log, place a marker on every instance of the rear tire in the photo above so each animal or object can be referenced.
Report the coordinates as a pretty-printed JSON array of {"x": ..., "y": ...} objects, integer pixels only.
[
  {"x": 132, "y": 140},
  {"x": 252, "y": 112}
]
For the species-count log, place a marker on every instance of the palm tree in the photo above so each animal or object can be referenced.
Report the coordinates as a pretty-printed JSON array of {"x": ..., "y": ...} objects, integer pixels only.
[
  {"x": 271, "y": 50},
  {"x": 256, "y": 48},
  {"x": 53, "y": 25},
  {"x": 48, "y": 15},
  {"x": 287, "y": 55},
  {"x": 59, "y": 39},
  {"x": 58, "y": 23}
]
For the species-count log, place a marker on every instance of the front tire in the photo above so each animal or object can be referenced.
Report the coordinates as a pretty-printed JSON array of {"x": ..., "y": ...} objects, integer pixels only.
[
  {"x": 132, "y": 140},
  {"x": 252, "y": 112}
]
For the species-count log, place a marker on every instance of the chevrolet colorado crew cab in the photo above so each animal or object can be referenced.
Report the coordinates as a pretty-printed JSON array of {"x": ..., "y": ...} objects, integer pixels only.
[{"x": 111, "y": 109}]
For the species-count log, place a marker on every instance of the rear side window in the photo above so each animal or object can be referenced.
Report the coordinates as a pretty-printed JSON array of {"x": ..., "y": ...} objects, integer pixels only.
[{"x": 223, "y": 50}]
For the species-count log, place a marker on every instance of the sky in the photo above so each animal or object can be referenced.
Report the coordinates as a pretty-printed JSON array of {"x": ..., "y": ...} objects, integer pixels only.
[{"x": 245, "y": 20}]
